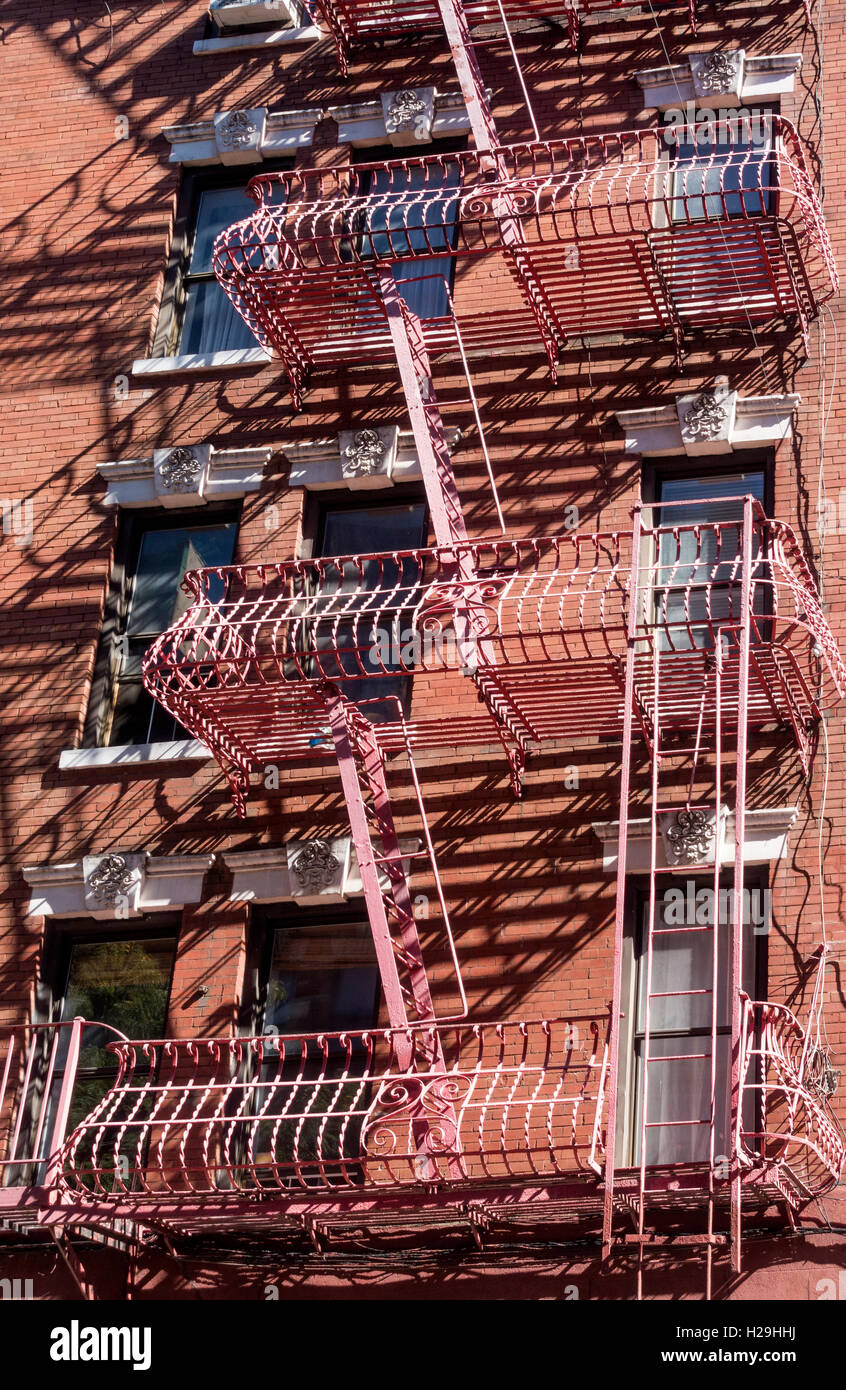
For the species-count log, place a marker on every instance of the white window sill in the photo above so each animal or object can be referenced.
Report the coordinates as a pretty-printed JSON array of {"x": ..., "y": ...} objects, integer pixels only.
[
  {"x": 240, "y": 358},
  {"x": 268, "y": 38},
  {"x": 134, "y": 754}
]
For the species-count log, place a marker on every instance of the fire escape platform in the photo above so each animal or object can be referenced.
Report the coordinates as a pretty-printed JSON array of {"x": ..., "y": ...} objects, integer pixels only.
[
  {"x": 501, "y": 1125},
  {"x": 617, "y": 233},
  {"x": 358, "y": 23},
  {"x": 526, "y": 635}
]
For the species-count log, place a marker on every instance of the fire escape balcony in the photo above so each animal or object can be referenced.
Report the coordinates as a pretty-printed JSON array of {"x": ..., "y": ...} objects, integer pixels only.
[
  {"x": 357, "y": 23},
  {"x": 537, "y": 628},
  {"x": 247, "y": 1133},
  {"x": 623, "y": 233},
  {"x": 788, "y": 1136}
]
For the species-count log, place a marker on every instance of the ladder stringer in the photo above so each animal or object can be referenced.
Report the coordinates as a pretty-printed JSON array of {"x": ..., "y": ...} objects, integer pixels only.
[
  {"x": 620, "y": 904},
  {"x": 469, "y": 75},
  {"x": 742, "y": 743},
  {"x": 362, "y": 767},
  {"x": 425, "y": 416},
  {"x": 361, "y": 764}
]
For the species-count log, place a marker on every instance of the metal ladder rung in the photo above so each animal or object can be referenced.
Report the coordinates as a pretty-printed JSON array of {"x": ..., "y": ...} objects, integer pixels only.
[
  {"x": 673, "y": 1124},
  {"x": 400, "y": 858},
  {"x": 682, "y": 1057},
  {"x": 674, "y": 931},
  {"x": 677, "y": 994}
]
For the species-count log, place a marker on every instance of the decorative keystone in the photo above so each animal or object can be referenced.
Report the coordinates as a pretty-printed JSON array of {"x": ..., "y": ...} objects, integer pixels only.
[
  {"x": 707, "y": 419},
  {"x": 408, "y": 115},
  {"x": 688, "y": 836},
  {"x": 718, "y": 74},
  {"x": 367, "y": 455},
  {"x": 180, "y": 474},
  {"x": 113, "y": 883},
  {"x": 239, "y": 134},
  {"x": 317, "y": 869}
]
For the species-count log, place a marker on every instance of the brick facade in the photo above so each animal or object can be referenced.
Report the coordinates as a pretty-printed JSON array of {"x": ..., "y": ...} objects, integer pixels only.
[{"x": 90, "y": 201}]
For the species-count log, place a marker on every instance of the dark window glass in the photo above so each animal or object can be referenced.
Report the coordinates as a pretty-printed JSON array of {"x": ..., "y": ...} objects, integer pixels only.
[
  {"x": 124, "y": 983},
  {"x": 156, "y": 602},
  {"x": 697, "y": 585},
  {"x": 209, "y": 322},
  {"x": 322, "y": 978},
  {"x": 362, "y": 531},
  {"x": 729, "y": 177},
  {"x": 425, "y": 222}
]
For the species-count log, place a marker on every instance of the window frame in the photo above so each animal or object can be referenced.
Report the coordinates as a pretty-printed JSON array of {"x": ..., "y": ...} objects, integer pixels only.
[
  {"x": 195, "y": 182},
  {"x": 60, "y": 938},
  {"x": 756, "y": 877},
  {"x": 268, "y": 918},
  {"x": 390, "y": 154},
  {"x": 656, "y": 471},
  {"x": 132, "y": 527},
  {"x": 413, "y": 495},
  {"x": 675, "y": 183}
]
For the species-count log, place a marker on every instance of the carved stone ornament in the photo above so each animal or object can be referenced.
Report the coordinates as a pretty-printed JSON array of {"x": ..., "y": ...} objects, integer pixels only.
[
  {"x": 181, "y": 470},
  {"x": 717, "y": 74},
  {"x": 706, "y": 418},
  {"x": 404, "y": 109},
  {"x": 689, "y": 836},
  {"x": 408, "y": 115},
  {"x": 237, "y": 131},
  {"x": 315, "y": 866},
  {"x": 364, "y": 456},
  {"x": 238, "y": 135},
  {"x": 113, "y": 878}
]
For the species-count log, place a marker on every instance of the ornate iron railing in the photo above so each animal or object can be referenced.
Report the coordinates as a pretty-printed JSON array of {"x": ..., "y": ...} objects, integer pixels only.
[
  {"x": 541, "y": 624},
  {"x": 641, "y": 231},
  {"x": 355, "y": 23},
  {"x": 347, "y": 1111},
  {"x": 787, "y": 1132}
]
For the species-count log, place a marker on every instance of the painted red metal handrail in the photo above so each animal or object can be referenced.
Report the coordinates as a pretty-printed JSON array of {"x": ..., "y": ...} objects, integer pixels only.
[
  {"x": 630, "y": 232},
  {"x": 356, "y": 23},
  {"x": 541, "y": 623},
  {"x": 347, "y": 1111},
  {"x": 787, "y": 1133},
  {"x": 38, "y": 1069}
]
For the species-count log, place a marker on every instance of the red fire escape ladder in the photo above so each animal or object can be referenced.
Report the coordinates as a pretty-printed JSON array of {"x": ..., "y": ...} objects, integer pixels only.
[
  {"x": 479, "y": 112},
  {"x": 380, "y": 860},
  {"x": 425, "y": 415},
  {"x": 651, "y": 1188}
]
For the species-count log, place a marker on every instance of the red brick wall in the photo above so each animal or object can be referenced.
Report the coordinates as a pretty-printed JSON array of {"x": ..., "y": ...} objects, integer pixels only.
[{"x": 86, "y": 229}]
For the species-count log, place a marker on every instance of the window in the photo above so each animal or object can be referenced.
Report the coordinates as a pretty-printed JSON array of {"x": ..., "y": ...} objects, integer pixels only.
[
  {"x": 725, "y": 170},
  {"x": 149, "y": 600},
  {"x": 232, "y": 17},
  {"x": 196, "y": 315},
  {"x": 322, "y": 979},
  {"x": 123, "y": 982},
  {"x": 697, "y": 580},
  {"x": 679, "y": 1081},
  {"x": 209, "y": 321},
  {"x": 365, "y": 644},
  {"x": 427, "y": 222}
]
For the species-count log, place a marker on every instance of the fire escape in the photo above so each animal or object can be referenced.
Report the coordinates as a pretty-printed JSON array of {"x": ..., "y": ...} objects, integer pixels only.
[
  {"x": 679, "y": 639},
  {"x": 358, "y": 23}
]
